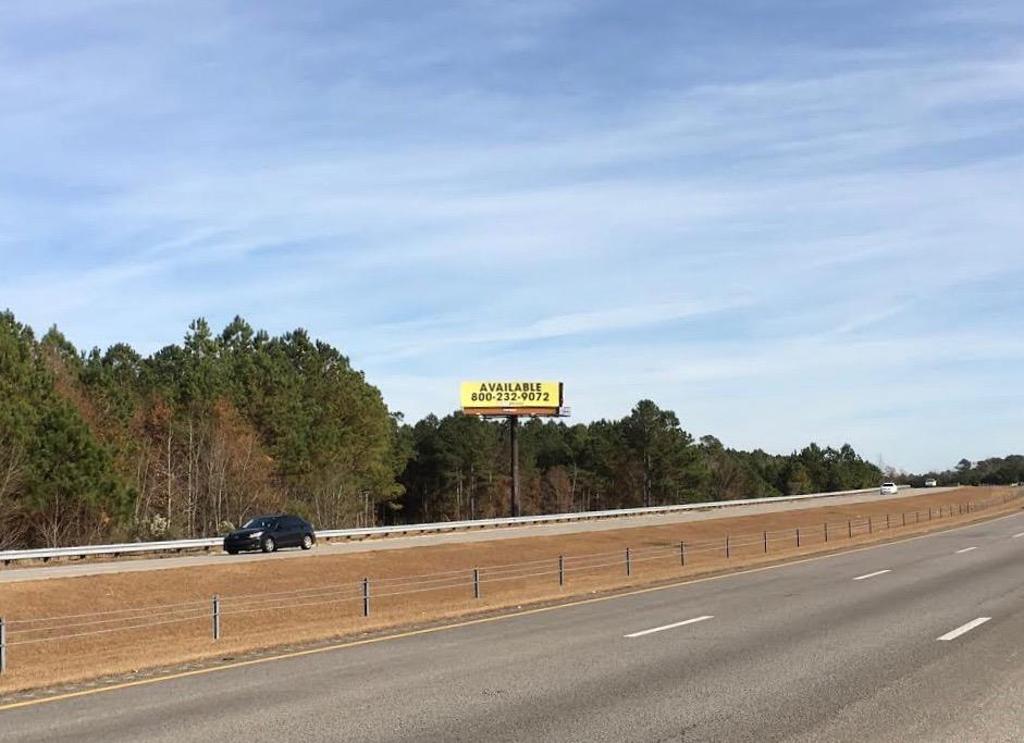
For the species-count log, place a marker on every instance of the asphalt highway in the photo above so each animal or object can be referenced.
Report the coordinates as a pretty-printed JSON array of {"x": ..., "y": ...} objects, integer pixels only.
[
  {"x": 912, "y": 641},
  {"x": 73, "y": 569}
]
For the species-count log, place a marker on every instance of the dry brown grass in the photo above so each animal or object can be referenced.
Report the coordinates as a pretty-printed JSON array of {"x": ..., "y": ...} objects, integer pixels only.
[{"x": 268, "y": 603}]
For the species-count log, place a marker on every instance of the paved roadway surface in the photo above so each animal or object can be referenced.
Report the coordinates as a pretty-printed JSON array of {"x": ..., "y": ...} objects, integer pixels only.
[
  {"x": 67, "y": 570},
  {"x": 829, "y": 649}
]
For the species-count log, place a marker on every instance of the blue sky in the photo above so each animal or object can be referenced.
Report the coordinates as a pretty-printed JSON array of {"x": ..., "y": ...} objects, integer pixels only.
[{"x": 786, "y": 221}]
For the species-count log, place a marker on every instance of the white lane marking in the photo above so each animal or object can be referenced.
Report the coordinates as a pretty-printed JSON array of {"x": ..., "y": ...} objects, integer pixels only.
[
  {"x": 963, "y": 629},
  {"x": 872, "y": 575},
  {"x": 668, "y": 626},
  {"x": 1017, "y": 536},
  {"x": 965, "y": 549}
]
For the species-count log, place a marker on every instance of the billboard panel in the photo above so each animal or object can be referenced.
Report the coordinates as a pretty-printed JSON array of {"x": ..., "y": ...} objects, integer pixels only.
[{"x": 511, "y": 397}]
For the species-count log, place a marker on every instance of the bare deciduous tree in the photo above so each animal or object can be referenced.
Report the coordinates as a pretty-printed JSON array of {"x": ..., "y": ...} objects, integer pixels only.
[{"x": 12, "y": 462}]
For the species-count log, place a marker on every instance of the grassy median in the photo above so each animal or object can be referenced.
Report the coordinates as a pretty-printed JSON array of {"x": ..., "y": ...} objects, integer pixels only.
[{"x": 71, "y": 629}]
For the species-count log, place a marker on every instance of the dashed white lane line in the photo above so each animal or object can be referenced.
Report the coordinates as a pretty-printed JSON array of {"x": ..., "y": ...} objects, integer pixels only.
[
  {"x": 965, "y": 549},
  {"x": 963, "y": 629},
  {"x": 1017, "y": 536},
  {"x": 872, "y": 575},
  {"x": 668, "y": 626}
]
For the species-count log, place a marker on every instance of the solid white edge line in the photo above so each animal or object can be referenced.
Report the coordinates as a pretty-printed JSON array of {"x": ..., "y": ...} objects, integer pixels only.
[
  {"x": 963, "y": 629},
  {"x": 965, "y": 549},
  {"x": 872, "y": 575},
  {"x": 651, "y": 631},
  {"x": 1017, "y": 536}
]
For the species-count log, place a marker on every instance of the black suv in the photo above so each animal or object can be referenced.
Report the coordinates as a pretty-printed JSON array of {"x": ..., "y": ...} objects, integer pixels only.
[{"x": 267, "y": 533}]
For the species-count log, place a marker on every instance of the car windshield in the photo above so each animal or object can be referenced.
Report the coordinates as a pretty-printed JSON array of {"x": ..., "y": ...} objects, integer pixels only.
[{"x": 260, "y": 522}]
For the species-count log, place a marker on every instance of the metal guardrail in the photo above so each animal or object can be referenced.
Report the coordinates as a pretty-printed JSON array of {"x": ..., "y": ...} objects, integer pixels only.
[
  {"x": 116, "y": 550},
  {"x": 402, "y": 529}
]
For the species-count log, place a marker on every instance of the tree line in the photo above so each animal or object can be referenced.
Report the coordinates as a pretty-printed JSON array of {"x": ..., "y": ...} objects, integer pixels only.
[
  {"x": 992, "y": 471},
  {"x": 107, "y": 445}
]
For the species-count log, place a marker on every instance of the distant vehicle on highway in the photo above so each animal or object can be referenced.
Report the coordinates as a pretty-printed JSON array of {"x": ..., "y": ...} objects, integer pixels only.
[
  {"x": 889, "y": 488},
  {"x": 931, "y": 482},
  {"x": 268, "y": 533}
]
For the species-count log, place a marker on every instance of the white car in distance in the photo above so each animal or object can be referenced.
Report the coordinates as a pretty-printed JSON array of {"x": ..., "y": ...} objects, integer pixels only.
[
  {"x": 889, "y": 488},
  {"x": 931, "y": 482}
]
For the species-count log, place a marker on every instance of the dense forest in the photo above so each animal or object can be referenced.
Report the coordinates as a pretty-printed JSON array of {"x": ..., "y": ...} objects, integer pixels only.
[{"x": 110, "y": 445}]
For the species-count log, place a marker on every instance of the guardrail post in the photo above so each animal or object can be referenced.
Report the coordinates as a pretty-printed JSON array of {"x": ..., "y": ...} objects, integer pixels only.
[
  {"x": 366, "y": 597},
  {"x": 561, "y": 570},
  {"x": 476, "y": 583},
  {"x": 216, "y": 617},
  {"x": 629, "y": 566}
]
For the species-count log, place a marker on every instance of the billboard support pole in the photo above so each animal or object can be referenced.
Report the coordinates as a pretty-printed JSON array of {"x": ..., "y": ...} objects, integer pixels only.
[{"x": 513, "y": 431}]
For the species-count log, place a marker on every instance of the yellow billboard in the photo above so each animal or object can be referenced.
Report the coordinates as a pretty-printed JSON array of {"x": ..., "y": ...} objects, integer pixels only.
[{"x": 510, "y": 395}]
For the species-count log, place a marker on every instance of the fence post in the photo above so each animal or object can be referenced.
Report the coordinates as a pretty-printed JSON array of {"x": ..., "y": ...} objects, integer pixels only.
[
  {"x": 476, "y": 582},
  {"x": 561, "y": 570},
  {"x": 3, "y": 646},
  {"x": 727, "y": 546},
  {"x": 629, "y": 566},
  {"x": 766, "y": 543},
  {"x": 870, "y": 526},
  {"x": 682, "y": 553},
  {"x": 826, "y": 531},
  {"x": 849, "y": 529},
  {"x": 886, "y": 521},
  {"x": 366, "y": 597},
  {"x": 904, "y": 518},
  {"x": 216, "y": 617},
  {"x": 798, "y": 536}
]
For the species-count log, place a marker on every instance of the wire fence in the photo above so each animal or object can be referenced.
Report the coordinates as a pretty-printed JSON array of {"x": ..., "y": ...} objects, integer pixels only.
[{"x": 471, "y": 582}]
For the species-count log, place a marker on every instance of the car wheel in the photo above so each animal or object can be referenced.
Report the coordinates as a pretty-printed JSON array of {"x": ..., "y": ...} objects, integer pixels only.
[
  {"x": 268, "y": 544},
  {"x": 307, "y": 542},
  {"x": 232, "y": 551}
]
